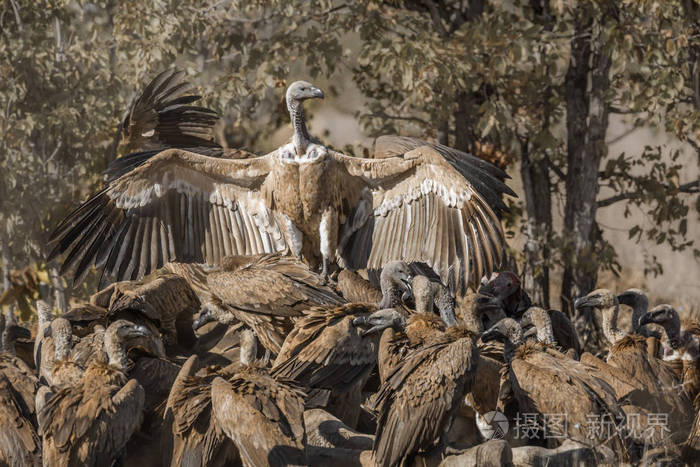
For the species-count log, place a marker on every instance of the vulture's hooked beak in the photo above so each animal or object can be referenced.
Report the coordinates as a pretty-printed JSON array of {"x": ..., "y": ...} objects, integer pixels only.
[
  {"x": 205, "y": 316},
  {"x": 140, "y": 331},
  {"x": 651, "y": 317},
  {"x": 317, "y": 93},
  {"x": 586, "y": 301},
  {"x": 493, "y": 334},
  {"x": 377, "y": 321}
]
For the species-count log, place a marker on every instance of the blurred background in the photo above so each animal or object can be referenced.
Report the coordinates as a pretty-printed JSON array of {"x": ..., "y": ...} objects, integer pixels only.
[{"x": 592, "y": 107}]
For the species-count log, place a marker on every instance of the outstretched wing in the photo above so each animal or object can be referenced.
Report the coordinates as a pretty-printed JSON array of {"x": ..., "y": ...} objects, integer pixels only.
[
  {"x": 178, "y": 206},
  {"x": 162, "y": 117},
  {"x": 425, "y": 205}
]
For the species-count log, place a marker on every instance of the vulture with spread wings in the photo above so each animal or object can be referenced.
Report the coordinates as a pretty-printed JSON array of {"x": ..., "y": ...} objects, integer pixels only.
[{"x": 413, "y": 201}]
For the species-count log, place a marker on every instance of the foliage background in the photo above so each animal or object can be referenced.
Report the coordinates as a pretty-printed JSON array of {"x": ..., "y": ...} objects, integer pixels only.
[{"x": 592, "y": 106}]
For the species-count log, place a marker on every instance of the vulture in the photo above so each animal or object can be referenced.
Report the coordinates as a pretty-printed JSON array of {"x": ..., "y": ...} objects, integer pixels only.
[
  {"x": 328, "y": 334},
  {"x": 91, "y": 422},
  {"x": 544, "y": 381},
  {"x": 265, "y": 292},
  {"x": 63, "y": 370},
  {"x": 355, "y": 288},
  {"x": 414, "y": 201},
  {"x": 418, "y": 400},
  {"x": 628, "y": 354},
  {"x": 682, "y": 346},
  {"x": 196, "y": 439},
  {"x": 505, "y": 287},
  {"x": 427, "y": 294},
  {"x": 43, "y": 312},
  {"x": 639, "y": 302},
  {"x": 19, "y": 443},
  {"x": 326, "y": 350},
  {"x": 682, "y": 342},
  {"x": 167, "y": 300},
  {"x": 262, "y": 414},
  {"x": 553, "y": 327},
  {"x": 85, "y": 317},
  {"x": 399, "y": 334}
]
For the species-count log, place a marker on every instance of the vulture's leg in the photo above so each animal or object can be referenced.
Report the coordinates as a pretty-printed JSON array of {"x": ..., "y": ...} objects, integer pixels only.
[
  {"x": 328, "y": 231},
  {"x": 294, "y": 236}
]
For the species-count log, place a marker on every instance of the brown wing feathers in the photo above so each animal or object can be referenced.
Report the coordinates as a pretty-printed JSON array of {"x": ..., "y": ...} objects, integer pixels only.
[
  {"x": 165, "y": 210},
  {"x": 162, "y": 117}
]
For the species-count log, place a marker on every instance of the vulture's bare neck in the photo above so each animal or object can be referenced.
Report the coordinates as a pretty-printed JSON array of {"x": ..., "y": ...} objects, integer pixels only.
[
  {"x": 116, "y": 351},
  {"x": 610, "y": 329},
  {"x": 301, "y": 138},
  {"x": 673, "y": 332}
]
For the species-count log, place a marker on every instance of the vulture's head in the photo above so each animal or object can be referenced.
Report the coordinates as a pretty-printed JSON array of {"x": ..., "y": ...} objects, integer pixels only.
[
  {"x": 300, "y": 91},
  {"x": 43, "y": 312},
  {"x": 600, "y": 298},
  {"x": 125, "y": 330},
  {"x": 666, "y": 316},
  {"x": 397, "y": 274},
  {"x": 539, "y": 319},
  {"x": 380, "y": 320},
  {"x": 506, "y": 329},
  {"x": 635, "y": 298},
  {"x": 504, "y": 284},
  {"x": 206, "y": 315},
  {"x": 62, "y": 333}
]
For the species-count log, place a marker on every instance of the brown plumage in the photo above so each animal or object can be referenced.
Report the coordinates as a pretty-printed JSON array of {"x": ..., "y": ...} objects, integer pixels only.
[
  {"x": 628, "y": 353},
  {"x": 90, "y": 348},
  {"x": 19, "y": 443},
  {"x": 84, "y": 317},
  {"x": 544, "y": 381},
  {"x": 263, "y": 415},
  {"x": 43, "y": 342},
  {"x": 326, "y": 350},
  {"x": 167, "y": 300},
  {"x": 177, "y": 205},
  {"x": 161, "y": 117},
  {"x": 431, "y": 294},
  {"x": 196, "y": 438},
  {"x": 63, "y": 370},
  {"x": 356, "y": 289},
  {"x": 418, "y": 400},
  {"x": 265, "y": 292},
  {"x": 681, "y": 346},
  {"x": 639, "y": 302},
  {"x": 399, "y": 335},
  {"x": 90, "y": 423},
  {"x": 553, "y": 327}
]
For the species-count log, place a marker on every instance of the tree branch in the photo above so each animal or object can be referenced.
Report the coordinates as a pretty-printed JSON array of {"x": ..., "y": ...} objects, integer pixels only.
[
  {"x": 691, "y": 187},
  {"x": 398, "y": 117},
  {"x": 556, "y": 170},
  {"x": 617, "y": 110}
]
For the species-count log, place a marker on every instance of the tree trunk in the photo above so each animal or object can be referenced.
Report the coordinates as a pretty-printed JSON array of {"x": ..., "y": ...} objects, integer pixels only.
[
  {"x": 60, "y": 300},
  {"x": 534, "y": 171},
  {"x": 586, "y": 124},
  {"x": 5, "y": 264}
]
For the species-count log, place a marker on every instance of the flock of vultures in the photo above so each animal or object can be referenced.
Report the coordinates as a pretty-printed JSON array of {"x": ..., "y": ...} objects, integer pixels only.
[{"x": 308, "y": 307}]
